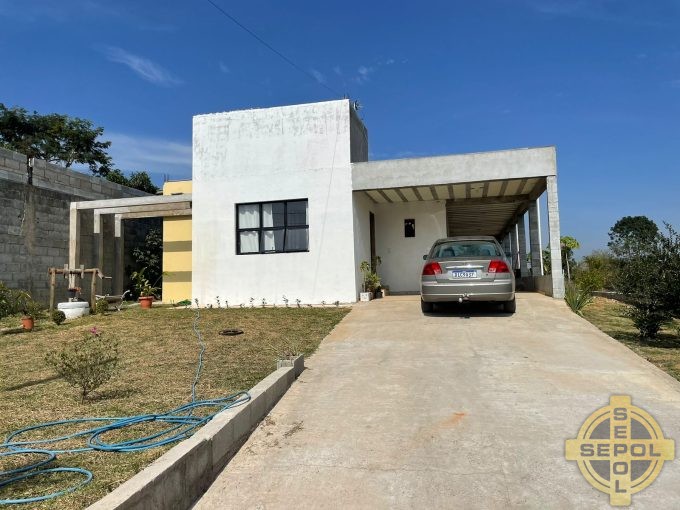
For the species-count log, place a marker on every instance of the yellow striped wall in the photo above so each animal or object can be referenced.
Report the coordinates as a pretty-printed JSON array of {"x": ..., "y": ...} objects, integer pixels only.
[{"x": 176, "y": 249}]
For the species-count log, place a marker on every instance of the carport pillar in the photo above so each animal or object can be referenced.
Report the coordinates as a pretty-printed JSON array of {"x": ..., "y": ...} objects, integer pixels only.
[
  {"x": 522, "y": 242},
  {"x": 514, "y": 246},
  {"x": 535, "y": 238},
  {"x": 507, "y": 246},
  {"x": 555, "y": 243}
]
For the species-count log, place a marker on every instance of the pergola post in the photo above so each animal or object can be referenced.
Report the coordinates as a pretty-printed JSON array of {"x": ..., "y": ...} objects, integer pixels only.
[
  {"x": 522, "y": 241},
  {"x": 119, "y": 255},
  {"x": 555, "y": 243},
  {"x": 535, "y": 238},
  {"x": 73, "y": 242},
  {"x": 98, "y": 244}
]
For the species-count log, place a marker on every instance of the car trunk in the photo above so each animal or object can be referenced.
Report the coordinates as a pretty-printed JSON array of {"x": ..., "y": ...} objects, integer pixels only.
[{"x": 462, "y": 269}]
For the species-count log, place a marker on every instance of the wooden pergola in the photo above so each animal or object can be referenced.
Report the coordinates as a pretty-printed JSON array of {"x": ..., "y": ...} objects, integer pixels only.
[{"x": 152, "y": 206}]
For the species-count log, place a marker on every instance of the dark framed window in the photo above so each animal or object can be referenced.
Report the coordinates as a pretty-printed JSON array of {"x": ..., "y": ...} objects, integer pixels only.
[
  {"x": 410, "y": 227},
  {"x": 272, "y": 227}
]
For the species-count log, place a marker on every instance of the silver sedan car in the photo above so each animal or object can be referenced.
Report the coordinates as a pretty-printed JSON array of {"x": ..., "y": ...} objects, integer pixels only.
[{"x": 467, "y": 268}]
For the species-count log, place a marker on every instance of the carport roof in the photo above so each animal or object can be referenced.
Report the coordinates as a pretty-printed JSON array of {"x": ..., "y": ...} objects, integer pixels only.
[
  {"x": 454, "y": 169},
  {"x": 485, "y": 192}
]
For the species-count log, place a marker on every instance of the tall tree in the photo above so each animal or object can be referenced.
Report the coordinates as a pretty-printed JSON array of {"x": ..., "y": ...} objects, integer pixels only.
[
  {"x": 632, "y": 235},
  {"x": 54, "y": 137},
  {"x": 137, "y": 180}
]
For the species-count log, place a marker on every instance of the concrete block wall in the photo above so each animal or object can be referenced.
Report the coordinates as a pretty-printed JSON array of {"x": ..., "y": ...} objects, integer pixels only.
[{"x": 34, "y": 220}]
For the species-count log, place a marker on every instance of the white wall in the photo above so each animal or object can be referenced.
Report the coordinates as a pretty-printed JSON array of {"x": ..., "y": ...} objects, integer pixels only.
[
  {"x": 282, "y": 153},
  {"x": 363, "y": 207},
  {"x": 402, "y": 257}
]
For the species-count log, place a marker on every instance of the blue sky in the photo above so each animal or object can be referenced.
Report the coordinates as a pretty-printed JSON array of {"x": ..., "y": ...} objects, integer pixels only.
[{"x": 600, "y": 79}]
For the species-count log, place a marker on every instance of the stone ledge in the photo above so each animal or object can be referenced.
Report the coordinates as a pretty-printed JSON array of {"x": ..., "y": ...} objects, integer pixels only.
[{"x": 181, "y": 475}]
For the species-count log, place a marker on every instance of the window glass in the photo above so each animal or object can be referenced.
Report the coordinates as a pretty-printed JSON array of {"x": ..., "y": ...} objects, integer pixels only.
[
  {"x": 297, "y": 213},
  {"x": 249, "y": 216},
  {"x": 273, "y": 214},
  {"x": 273, "y": 240},
  {"x": 272, "y": 227},
  {"x": 466, "y": 249},
  {"x": 249, "y": 241},
  {"x": 297, "y": 239}
]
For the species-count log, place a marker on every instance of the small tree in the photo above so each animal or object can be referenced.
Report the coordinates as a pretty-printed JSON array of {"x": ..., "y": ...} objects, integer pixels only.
[
  {"x": 649, "y": 277},
  {"x": 568, "y": 245},
  {"x": 88, "y": 363}
]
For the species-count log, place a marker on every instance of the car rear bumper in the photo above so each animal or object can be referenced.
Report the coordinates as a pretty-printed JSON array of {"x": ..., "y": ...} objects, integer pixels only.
[{"x": 433, "y": 292}]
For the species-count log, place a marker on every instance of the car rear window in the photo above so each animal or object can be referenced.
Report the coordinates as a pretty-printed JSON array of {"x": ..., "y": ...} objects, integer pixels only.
[{"x": 465, "y": 249}]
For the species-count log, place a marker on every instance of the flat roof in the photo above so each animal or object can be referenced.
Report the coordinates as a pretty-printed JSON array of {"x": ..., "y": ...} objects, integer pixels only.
[{"x": 456, "y": 168}]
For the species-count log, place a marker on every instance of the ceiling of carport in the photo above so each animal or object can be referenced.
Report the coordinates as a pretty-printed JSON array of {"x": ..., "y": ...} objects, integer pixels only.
[{"x": 484, "y": 208}]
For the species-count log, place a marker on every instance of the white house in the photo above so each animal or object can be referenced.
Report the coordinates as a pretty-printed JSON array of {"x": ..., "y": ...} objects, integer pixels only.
[{"x": 286, "y": 203}]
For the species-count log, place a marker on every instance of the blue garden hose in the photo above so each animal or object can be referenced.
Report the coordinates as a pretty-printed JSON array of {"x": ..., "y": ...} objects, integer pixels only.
[{"x": 181, "y": 423}]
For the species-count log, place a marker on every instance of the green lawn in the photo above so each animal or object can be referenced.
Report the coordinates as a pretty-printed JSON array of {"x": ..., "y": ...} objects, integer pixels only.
[
  {"x": 664, "y": 352},
  {"x": 159, "y": 354}
]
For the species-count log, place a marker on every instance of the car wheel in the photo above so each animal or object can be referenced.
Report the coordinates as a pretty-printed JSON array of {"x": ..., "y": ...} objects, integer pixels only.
[
  {"x": 426, "y": 307},
  {"x": 510, "y": 306}
]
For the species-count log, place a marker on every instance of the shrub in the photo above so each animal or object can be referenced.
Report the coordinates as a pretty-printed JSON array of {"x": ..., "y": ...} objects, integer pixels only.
[
  {"x": 648, "y": 319},
  {"x": 33, "y": 309},
  {"x": 371, "y": 279},
  {"x": 650, "y": 279},
  {"x": 88, "y": 363},
  {"x": 58, "y": 317},
  {"x": 12, "y": 301},
  {"x": 577, "y": 298},
  {"x": 597, "y": 271},
  {"x": 101, "y": 306}
]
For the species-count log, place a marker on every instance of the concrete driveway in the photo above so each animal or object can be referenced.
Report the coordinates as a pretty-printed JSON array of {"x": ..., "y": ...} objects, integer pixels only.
[{"x": 458, "y": 410}]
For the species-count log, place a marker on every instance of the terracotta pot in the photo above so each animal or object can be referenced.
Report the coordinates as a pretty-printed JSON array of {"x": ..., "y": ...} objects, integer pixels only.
[
  {"x": 27, "y": 322},
  {"x": 145, "y": 301}
]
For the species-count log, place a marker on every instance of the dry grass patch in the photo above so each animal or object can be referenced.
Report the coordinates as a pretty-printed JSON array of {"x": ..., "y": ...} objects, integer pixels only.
[
  {"x": 664, "y": 352},
  {"x": 159, "y": 354}
]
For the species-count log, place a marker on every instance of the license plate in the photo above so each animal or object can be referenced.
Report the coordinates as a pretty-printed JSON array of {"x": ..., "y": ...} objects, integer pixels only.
[{"x": 465, "y": 274}]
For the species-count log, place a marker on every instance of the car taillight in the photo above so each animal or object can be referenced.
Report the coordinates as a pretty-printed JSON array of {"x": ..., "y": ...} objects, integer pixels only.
[
  {"x": 498, "y": 266},
  {"x": 432, "y": 268}
]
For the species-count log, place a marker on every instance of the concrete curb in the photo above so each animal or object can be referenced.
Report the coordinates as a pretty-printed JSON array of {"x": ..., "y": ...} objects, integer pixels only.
[{"x": 181, "y": 475}]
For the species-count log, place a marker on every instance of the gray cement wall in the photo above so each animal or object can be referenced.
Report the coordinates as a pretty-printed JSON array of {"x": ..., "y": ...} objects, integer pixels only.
[
  {"x": 34, "y": 219},
  {"x": 181, "y": 475}
]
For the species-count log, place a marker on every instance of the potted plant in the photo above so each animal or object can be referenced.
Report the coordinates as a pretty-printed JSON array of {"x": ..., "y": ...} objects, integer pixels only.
[
  {"x": 370, "y": 283},
  {"x": 30, "y": 312},
  {"x": 145, "y": 290},
  {"x": 27, "y": 321}
]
